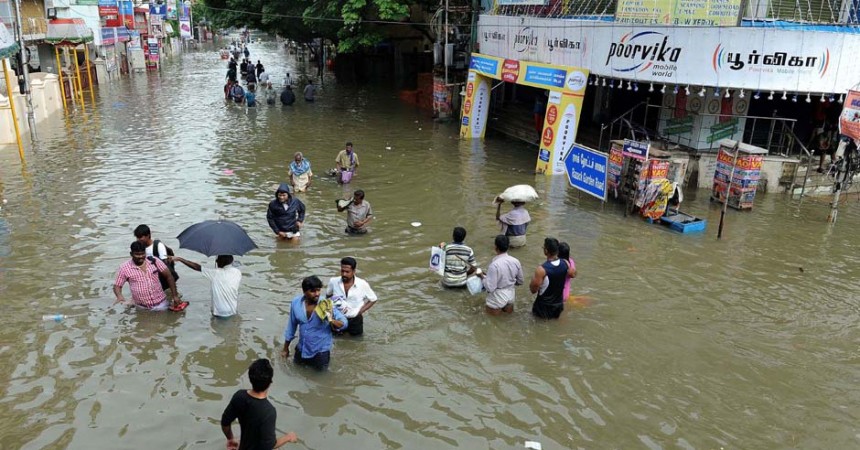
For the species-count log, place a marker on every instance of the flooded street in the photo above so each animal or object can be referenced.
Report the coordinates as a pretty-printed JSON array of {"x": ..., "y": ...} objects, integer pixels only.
[{"x": 688, "y": 342}]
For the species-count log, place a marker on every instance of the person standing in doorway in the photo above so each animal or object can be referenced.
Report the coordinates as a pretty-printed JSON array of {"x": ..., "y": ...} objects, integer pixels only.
[
  {"x": 317, "y": 321},
  {"x": 257, "y": 417},
  {"x": 359, "y": 213},
  {"x": 351, "y": 295},
  {"x": 503, "y": 275},
  {"x": 548, "y": 282}
]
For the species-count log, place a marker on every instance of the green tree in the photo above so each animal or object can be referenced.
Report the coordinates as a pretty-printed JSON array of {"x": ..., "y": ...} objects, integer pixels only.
[{"x": 351, "y": 24}]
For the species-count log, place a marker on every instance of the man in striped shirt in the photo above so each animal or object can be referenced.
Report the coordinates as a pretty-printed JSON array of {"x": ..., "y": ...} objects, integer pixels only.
[
  {"x": 141, "y": 273},
  {"x": 459, "y": 260}
]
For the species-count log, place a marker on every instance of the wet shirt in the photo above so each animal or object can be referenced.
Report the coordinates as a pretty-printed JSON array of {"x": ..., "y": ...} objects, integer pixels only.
[
  {"x": 350, "y": 303},
  {"x": 515, "y": 222},
  {"x": 458, "y": 259},
  {"x": 257, "y": 418},
  {"x": 225, "y": 289},
  {"x": 358, "y": 212},
  {"x": 504, "y": 272},
  {"x": 315, "y": 336},
  {"x": 143, "y": 280},
  {"x": 347, "y": 161}
]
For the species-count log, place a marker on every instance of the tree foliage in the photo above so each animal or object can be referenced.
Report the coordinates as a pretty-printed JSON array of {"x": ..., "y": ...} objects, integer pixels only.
[{"x": 351, "y": 24}]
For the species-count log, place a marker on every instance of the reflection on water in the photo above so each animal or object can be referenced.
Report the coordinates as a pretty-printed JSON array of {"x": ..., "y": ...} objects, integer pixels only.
[{"x": 672, "y": 341}]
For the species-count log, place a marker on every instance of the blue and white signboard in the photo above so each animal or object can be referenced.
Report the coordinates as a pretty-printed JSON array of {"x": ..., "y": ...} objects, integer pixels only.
[
  {"x": 635, "y": 149},
  {"x": 586, "y": 170}
]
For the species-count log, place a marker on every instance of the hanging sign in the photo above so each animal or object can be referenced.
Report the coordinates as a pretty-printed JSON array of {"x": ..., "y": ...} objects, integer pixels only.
[
  {"x": 586, "y": 170},
  {"x": 635, "y": 149},
  {"x": 762, "y": 59},
  {"x": 849, "y": 120}
]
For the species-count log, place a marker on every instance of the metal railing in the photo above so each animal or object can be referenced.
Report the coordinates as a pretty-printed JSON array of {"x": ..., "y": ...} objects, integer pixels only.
[
  {"x": 648, "y": 122},
  {"x": 793, "y": 143}
]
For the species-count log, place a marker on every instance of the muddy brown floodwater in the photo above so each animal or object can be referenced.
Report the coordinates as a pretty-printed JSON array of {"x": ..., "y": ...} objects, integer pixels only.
[{"x": 687, "y": 342}]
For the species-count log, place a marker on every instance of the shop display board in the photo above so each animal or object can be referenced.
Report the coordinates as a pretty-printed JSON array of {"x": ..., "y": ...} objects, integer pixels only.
[{"x": 739, "y": 177}]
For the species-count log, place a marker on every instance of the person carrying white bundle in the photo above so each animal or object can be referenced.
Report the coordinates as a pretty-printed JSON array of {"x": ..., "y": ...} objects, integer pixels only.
[{"x": 515, "y": 222}]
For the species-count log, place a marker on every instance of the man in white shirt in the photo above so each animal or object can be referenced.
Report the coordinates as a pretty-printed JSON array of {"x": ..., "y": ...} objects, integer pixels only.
[
  {"x": 225, "y": 284},
  {"x": 352, "y": 295}
]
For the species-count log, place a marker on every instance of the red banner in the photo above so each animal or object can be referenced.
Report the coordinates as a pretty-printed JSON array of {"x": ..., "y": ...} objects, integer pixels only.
[{"x": 849, "y": 120}]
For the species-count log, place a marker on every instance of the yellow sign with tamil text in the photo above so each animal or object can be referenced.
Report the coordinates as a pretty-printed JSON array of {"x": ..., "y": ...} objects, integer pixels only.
[{"x": 716, "y": 13}]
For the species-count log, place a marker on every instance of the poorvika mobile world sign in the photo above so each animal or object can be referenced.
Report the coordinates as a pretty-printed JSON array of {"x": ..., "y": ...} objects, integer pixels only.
[{"x": 748, "y": 58}]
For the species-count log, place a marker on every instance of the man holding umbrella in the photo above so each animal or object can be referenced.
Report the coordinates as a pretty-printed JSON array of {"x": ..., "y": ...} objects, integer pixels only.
[
  {"x": 222, "y": 238},
  {"x": 286, "y": 214},
  {"x": 225, "y": 284}
]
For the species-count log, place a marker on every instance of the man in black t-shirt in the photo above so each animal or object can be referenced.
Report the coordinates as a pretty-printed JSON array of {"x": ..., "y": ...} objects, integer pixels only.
[{"x": 256, "y": 415}]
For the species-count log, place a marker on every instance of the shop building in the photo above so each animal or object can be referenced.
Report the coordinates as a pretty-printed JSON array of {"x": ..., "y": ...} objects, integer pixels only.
[{"x": 684, "y": 77}]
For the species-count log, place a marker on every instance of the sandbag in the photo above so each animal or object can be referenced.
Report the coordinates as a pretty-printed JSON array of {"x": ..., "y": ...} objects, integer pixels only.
[{"x": 519, "y": 193}]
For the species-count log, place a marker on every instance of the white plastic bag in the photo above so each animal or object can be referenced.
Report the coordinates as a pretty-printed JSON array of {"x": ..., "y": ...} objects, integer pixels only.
[
  {"x": 437, "y": 260},
  {"x": 475, "y": 285}
]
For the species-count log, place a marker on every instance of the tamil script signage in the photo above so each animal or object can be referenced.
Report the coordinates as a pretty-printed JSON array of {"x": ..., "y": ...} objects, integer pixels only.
[
  {"x": 749, "y": 58},
  {"x": 635, "y": 149},
  {"x": 586, "y": 170},
  {"x": 713, "y": 13}
]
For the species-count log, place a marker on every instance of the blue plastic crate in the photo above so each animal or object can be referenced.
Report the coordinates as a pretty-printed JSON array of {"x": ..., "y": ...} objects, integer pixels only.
[{"x": 683, "y": 223}]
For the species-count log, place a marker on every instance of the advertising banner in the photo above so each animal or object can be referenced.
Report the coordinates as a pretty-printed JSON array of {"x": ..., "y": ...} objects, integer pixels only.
[
  {"x": 185, "y": 29},
  {"x": 586, "y": 170},
  {"x": 723, "y": 13},
  {"x": 171, "y": 10},
  {"x": 126, "y": 14},
  {"x": 152, "y": 49},
  {"x": 757, "y": 59},
  {"x": 566, "y": 86},
  {"x": 849, "y": 120},
  {"x": 476, "y": 106}
]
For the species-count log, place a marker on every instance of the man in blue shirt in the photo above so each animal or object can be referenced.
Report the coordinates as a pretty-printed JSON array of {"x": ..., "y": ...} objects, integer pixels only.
[{"x": 317, "y": 323}]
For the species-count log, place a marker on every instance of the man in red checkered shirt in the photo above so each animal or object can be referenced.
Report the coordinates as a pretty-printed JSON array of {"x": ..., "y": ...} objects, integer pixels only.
[{"x": 141, "y": 273}]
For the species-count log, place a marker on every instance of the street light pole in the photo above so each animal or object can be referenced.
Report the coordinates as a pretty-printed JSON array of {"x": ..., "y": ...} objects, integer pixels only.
[{"x": 25, "y": 88}]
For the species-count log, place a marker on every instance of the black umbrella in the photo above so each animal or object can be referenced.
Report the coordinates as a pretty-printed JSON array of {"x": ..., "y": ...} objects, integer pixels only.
[{"x": 216, "y": 237}]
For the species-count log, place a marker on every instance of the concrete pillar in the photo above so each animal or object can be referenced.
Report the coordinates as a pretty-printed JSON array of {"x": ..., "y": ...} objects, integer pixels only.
[
  {"x": 53, "y": 102},
  {"x": 37, "y": 92},
  {"x": 101, "y": 71}
]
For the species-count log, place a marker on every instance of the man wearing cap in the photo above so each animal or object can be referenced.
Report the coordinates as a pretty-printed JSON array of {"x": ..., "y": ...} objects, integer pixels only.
[{"x": 286, "y": 214}]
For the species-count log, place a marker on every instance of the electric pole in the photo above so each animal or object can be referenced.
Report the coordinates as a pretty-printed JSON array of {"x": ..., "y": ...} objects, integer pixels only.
[{"x": 25, "y": 87}]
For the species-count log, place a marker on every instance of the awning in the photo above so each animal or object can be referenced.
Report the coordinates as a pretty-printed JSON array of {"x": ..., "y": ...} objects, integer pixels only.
[
  {"x": 68, "y": 32},
  {"x": 8, "y": 46}
]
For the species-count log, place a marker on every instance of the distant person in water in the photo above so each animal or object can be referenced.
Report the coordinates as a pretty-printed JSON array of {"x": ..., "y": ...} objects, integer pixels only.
[
  {"x": 514, "y": 223},
  {"x": 310, "y": 91},
  {"x": 300, "y": 173},
  {"x": 287, "y": 96}
]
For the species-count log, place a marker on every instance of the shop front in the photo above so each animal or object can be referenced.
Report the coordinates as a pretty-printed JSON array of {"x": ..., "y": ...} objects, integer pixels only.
[{"x": 565, "y": 87}]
